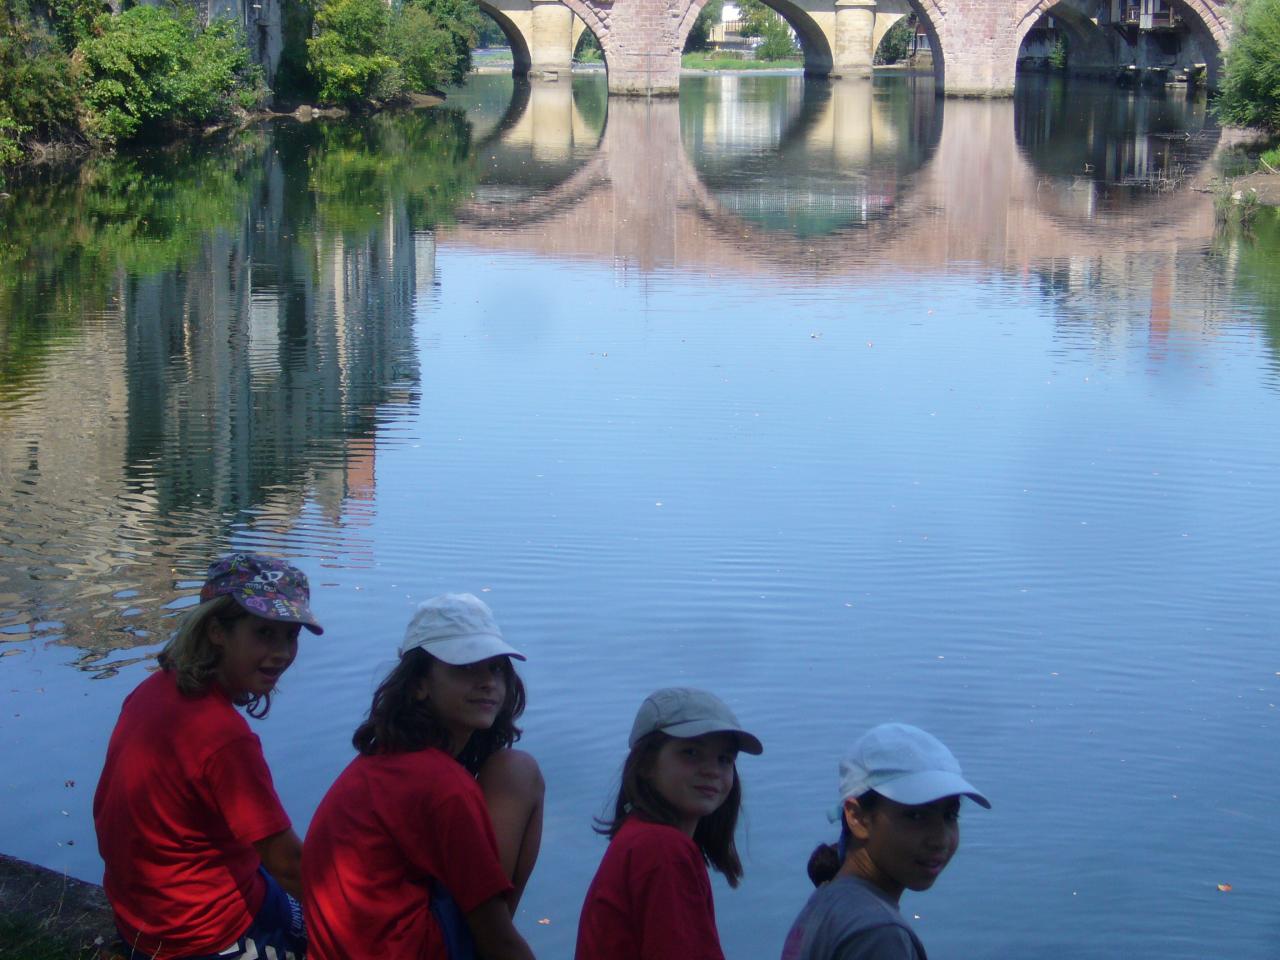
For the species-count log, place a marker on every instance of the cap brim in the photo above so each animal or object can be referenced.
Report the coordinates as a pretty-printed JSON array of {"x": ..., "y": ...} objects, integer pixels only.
[
  {"x": 303, "y": 616},
  {"x": 747, "y": 743},
  {"x": 928, "y": 786},
  {"x": 459, "y": 651}
]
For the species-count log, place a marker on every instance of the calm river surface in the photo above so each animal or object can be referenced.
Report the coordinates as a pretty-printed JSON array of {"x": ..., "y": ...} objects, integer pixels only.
[{"x": 841, "y": 400}]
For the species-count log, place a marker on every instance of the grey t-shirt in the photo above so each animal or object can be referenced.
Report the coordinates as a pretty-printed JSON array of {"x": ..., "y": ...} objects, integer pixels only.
[{"x": 850, "y": 919}]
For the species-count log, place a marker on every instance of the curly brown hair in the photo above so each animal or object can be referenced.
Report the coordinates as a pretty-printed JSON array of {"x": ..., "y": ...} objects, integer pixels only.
[{"x": 400, "y": 722}]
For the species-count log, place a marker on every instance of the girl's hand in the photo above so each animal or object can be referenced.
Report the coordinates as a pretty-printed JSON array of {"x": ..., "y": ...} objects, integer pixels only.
[
  {"x": 495, "y": 935},
  {"x": 281, "y": 854}
]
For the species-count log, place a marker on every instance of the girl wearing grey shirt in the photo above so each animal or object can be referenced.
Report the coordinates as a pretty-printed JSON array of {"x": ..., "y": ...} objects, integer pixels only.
[{"x": 899, "y": 828}]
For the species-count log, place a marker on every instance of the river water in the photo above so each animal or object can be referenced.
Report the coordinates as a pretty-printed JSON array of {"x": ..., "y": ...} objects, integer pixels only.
[{"x": 849, "y": 403}]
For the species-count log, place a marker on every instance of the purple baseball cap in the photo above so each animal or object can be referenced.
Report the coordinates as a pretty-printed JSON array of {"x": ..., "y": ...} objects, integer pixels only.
[{"x": 265, "y": 586}]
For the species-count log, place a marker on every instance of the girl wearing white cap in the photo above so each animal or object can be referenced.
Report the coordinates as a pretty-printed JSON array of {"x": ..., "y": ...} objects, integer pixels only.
[
  {"x": 423, "y": 845},
  {"x": 676, "y": 812},
  {"x": 899, "y": 828}
]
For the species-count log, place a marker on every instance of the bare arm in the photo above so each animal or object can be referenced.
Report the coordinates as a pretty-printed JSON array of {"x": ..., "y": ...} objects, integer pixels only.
[
  {"x": 281, "y": 854},
  {"x": 513, "y": 791},
  {"x": 495, "y": 935}
]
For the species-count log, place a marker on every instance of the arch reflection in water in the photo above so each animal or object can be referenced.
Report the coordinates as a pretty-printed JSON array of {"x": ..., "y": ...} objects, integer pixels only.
[
  {"x": 777, "y": 176},
  {"x": 809, "y": 158},
  {"x": 529, "y": 136},
  {"x": 1112, "y": 149}
]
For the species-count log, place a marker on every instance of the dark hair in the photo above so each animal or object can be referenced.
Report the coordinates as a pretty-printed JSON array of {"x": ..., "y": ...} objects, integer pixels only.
[
  {"x": 638, "y": 796},
  {"x": 193, "y": 659},
  {"x": 825, "y": 862},
  {"x": 400, "y": 722}
]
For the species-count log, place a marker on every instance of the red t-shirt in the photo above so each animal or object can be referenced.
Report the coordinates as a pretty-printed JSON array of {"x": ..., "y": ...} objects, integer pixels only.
[
  {"x": 184, "y": 795},
  {"x": 650, "y": 899},
  {"x": 388, "y": 826}
]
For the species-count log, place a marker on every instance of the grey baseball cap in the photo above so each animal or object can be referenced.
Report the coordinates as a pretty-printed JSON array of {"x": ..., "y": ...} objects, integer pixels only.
[
  {"x": 457, "y": 628},
  {"x": 906, "y": 764},
  {"x": 686, "y": 712}
]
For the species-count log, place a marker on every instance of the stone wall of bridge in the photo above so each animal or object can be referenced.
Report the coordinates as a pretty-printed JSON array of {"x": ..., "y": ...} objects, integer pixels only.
[{"x": 975, "y": 42}]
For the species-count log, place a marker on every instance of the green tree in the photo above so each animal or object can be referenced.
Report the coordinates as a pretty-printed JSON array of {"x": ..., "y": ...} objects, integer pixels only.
[
  {"x": 427, "y": 55},
  {"x": 39, "y": 99},
  {"x": 777, "y": 42},
  {"x": 896, "y": 45},
  {"x": 349, "y": 55},
  {"x": 1250, "y": 94},
  {"x": 462, "y": 21},
  {"x": 588, "y": 49},
  {"x": 155, "y": 67},
  {"x": 761, "y": 21},
  {"x": 700, "y": 33}
]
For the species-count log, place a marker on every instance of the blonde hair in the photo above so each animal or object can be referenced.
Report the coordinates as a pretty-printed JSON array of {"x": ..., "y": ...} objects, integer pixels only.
[{"x": 193, "y": 659}]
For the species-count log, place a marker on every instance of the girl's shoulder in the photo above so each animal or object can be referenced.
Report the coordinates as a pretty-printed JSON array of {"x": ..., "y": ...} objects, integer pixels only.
[
  {"x": 653, "y": 841},
  {"x": 430, "y": 766}
]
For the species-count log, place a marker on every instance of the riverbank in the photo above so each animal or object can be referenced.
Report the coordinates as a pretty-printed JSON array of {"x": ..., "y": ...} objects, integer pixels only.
[
  {"x": 45, "y": 915},
  {"x": 1265, "y": 185},
  {"x": 71, "y": 153}
]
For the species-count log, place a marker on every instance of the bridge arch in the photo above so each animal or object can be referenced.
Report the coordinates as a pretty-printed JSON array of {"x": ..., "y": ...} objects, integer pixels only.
[
  {"x": 1207, "y": 21},
  {"x": 929, "y": 14},
  {"x": 521, "y": 60},
  {"x": 814, "y": 44}
]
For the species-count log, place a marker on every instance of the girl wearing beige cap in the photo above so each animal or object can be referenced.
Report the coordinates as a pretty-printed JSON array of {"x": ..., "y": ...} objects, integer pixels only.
[
  {"x": 676, "y": 812},
  {"x": 423, "y": 845},
  {"x": 899, "y": 828}
]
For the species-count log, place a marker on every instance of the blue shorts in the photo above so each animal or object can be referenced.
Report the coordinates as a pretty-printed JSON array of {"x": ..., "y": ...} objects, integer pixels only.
[{"x": 277, "y": 932}]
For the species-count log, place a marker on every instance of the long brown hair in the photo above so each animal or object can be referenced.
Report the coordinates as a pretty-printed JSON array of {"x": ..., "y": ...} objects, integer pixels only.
[
  {"x": 400, "y": 722},
  {"x": 637, "y": 796},
  {"x": 193, "y": 659}
]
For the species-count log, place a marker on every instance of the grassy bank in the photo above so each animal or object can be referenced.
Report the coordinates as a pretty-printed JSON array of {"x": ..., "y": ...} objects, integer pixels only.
[
  {"x": 45, "y": 915},
  {"x": 720, "y": 61},
  {"x": 31, "y": 938}
]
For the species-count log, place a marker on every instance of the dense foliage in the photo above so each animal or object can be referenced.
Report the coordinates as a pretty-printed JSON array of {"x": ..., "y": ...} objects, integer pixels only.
[
  {"x": 588, "y": 49},
  {"x": 71, "y": 71},
  {"x": 462, "y": 21},
  {"x": 896, "y": 45},
  {"x": 349, "y": 53},
  {"x": 363, "y": 49},
  {"x": 39, "y": 99},
  {"x": 700, "y": 33},
  {"x": 758, "y": 20},
  {"x": 1250, "y": 93},
  {"x": 154, "y": 67}
]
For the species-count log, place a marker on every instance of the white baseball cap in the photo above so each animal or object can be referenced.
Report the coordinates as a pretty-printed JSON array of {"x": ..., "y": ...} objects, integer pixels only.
[
  {"x": 906, "y": 764},
  {"x": 457, "y": 628}
]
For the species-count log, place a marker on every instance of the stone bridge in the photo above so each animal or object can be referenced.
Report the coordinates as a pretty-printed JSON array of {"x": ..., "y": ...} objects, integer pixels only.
[{"x": 975, "y": 43}]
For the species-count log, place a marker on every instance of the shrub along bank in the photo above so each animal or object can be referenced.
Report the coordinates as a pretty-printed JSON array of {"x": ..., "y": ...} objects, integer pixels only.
[
  {"x": 1250, "y": 95},
  {"x": 78, "y": 76}
]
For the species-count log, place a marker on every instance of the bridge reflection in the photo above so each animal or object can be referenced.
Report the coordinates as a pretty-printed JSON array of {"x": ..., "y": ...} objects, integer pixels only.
[{"x": 840, "y": 178}]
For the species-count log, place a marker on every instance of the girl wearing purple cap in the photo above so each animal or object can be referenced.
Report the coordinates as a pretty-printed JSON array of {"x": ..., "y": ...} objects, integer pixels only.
[
  {"x": 899, "y": 828},
  {"x": 676, "y": 812},
  {"x": 424, "y": 843},
  {"x": 201, "y": 859}
]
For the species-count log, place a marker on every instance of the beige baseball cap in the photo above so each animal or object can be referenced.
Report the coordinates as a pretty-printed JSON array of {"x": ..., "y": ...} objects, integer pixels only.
[{"x": 686, "y": 712}]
